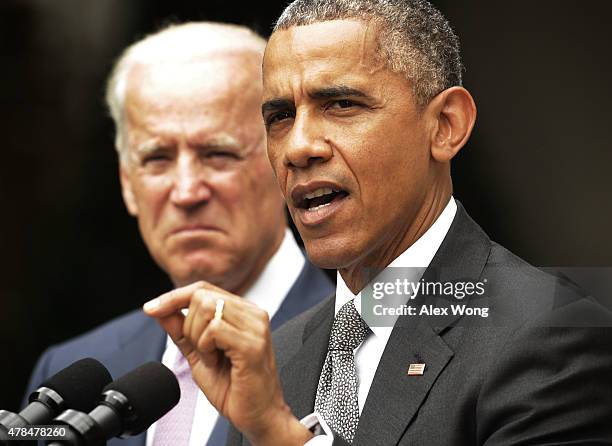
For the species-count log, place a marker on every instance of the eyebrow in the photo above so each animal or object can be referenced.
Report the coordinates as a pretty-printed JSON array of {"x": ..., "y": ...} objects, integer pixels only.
[
  {"x": 148, "y": 147},
  {"x": 321, "y": 93},
  {"x": 275, "y": 104},
  {"x": 336, "y": 91},
  {"x": 222, "y": 142},
  {"x": 151, "y": 146}
]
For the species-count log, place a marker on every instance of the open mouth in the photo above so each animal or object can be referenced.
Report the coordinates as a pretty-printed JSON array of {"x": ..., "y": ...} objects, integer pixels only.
[{"x": 320, "y": 198}]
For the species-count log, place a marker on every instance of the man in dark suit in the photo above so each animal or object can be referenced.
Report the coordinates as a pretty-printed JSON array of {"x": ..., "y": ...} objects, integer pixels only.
[
  {"x": 364, "y": 110},
  {"x": 186, "y": 105}
]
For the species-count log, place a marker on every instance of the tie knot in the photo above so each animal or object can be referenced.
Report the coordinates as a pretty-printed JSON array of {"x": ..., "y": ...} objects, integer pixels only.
[{"x": 349, "y": 329}]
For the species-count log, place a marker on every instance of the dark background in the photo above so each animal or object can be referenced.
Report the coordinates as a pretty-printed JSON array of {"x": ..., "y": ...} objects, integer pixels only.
[{"x": 535, "y": 174}]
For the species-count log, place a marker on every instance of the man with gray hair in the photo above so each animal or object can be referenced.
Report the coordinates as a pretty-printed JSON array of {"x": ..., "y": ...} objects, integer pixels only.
[
  {"x": 364, "y": 111},
  {"x": 194, "y": 172}
]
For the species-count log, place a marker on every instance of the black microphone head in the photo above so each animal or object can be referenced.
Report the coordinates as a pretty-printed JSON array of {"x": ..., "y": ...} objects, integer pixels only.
[
  {"x": 151, "y": 390},
  {"x": 79, "y": 384}
]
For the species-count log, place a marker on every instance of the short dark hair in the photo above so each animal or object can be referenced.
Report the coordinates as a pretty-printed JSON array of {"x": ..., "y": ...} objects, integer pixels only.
[{"x": 414, "y": 37}]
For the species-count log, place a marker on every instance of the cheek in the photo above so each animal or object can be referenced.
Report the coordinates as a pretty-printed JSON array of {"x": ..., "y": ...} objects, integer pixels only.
[
  {"x": 263, "y": 176},
  {"x": 229, "y": 188},
  {"x": 389, "y": 169},
  {"x": 266, "y": 192},
  {"x": 241, "y": 193},
  {"x": 150, "y": 195},
  {"x": 278, "y": 169}
]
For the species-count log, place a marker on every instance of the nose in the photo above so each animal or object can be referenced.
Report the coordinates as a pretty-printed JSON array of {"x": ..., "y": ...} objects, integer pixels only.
[
  {"x": 190, "y": 186},
  {"x": 306, "y": 145}
]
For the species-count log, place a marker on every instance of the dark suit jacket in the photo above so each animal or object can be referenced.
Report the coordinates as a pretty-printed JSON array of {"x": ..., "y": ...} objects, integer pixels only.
[
  {"x": 133, "y": 339},
  {"x": 526, "y": 379}
]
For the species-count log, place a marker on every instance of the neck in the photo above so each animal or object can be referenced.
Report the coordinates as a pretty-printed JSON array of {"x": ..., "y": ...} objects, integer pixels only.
[
  {"x": 241, "y": 288},
  {"x": 358, "y": 275}
]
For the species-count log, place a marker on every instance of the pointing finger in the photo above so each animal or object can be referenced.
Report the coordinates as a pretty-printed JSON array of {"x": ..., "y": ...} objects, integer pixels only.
[{"x": 171, "y": 302}]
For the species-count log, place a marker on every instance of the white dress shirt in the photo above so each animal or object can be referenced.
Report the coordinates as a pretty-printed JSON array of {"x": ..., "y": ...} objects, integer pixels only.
[
  {"x": 368, "y": 354},
  {"x": 268, "y": 292}
]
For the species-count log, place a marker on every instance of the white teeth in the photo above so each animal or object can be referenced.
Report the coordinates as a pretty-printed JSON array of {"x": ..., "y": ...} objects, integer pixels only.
[
  {"x": 319, "y": 192},
  {"x": 318, "y": 207}
]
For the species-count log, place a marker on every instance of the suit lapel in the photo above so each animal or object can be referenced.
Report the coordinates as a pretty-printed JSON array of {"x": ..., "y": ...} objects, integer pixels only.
[
  {"x": 300, "y": 376},
  {"x": 461, "y": 257},
  {"x": 310, "y": 288},
  {"x": 394, "y": 397},
  {"x": 134, "y": 349}
]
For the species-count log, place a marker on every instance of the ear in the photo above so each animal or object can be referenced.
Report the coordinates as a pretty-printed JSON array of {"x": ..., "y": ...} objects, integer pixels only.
[
  {"x": 127, "y": 191},
  {"x": 454, "y": 114}
]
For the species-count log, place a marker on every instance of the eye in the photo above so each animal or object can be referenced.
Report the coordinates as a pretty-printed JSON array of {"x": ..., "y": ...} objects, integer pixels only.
[
  {"x": 221, "y": 159},
  {"x": 341, "y": 104},
  {"x": 218, "y": 157},
  {"x": 221, "y": 154},
  {"x": 277, "y": 117},
  {"x": 155, "y": 158}
]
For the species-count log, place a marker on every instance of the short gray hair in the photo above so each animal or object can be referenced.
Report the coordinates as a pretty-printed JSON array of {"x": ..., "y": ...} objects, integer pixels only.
[
  {"x": 414, "y": 37},
  {"x": 175, "y": 43}
]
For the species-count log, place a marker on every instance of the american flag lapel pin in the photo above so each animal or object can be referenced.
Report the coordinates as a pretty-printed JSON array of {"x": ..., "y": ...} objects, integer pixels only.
[{"x": 416, "y": 369}]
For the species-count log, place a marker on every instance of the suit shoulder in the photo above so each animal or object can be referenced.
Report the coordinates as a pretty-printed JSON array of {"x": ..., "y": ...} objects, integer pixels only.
[
  {"x": 101, "y": 342},
  {"x": 537, "y": 294},
  {"x": 126, "y": 325}
]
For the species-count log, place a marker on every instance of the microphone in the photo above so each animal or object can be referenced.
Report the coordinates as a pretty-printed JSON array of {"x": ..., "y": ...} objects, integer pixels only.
[
  {"x": 77, "y": 385},
  {"x": 128, "y": 407}
]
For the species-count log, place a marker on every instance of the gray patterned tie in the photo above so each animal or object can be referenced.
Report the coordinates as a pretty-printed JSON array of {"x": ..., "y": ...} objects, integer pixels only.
[{"x": 337, "y": 391}]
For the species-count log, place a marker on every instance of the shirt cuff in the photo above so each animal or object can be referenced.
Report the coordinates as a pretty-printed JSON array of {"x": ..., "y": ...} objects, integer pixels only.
[{"x": 323, "y": 435}]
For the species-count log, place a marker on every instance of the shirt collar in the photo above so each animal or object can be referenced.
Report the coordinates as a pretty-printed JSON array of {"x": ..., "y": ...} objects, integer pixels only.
[
  {"x": 278, "y": 276},
  {"x": 419, "y": 254}
]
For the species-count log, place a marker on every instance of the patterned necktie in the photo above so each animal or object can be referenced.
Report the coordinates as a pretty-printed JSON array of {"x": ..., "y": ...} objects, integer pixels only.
[
  {"x": 337, "y": 391},
  {"x": 174, "y": 428}
]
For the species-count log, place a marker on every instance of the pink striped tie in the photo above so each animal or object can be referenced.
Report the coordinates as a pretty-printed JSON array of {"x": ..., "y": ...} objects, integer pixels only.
[{"x": 174, "y": 428}]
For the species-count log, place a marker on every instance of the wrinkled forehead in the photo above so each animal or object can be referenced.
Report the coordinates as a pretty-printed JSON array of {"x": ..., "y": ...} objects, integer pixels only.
[
  {"x": 334, "y": 38},
  {"x": 200, "y": 100},
  {"x": 213, "y": 74},
  {"x": 341, "y": 45}
]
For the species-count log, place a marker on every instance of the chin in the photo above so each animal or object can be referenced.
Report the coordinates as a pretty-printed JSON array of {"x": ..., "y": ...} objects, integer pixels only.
[
  {"x": 207, "y": 271},
  {"x": 331, "y": 254}
]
